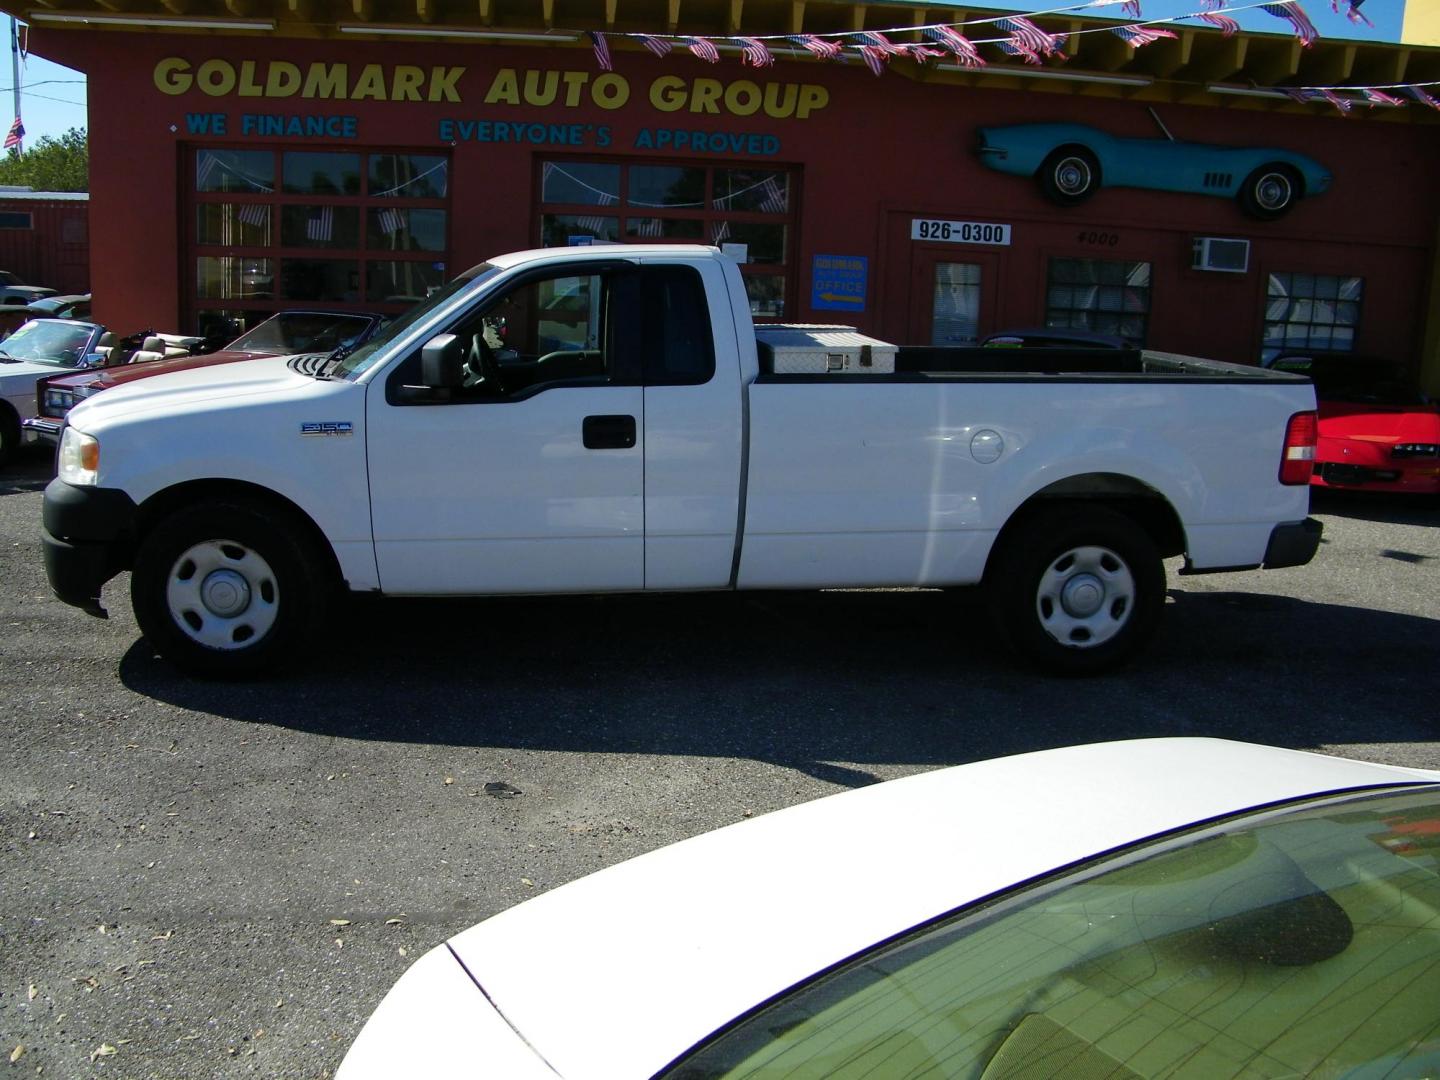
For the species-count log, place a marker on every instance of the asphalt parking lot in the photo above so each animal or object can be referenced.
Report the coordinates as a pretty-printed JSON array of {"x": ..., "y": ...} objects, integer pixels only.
[{"x": 212, "y": 880}]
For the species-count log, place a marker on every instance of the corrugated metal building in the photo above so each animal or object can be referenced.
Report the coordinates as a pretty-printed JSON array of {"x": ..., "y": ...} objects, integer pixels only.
[{"x": 45, "y": 238}]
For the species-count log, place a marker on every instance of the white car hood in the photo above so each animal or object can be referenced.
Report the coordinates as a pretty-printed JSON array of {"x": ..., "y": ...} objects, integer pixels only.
[
  {"x": 617, "y": 974},
  {"x": 178, "y": 391},
  {"x": 28, "y": 371}
]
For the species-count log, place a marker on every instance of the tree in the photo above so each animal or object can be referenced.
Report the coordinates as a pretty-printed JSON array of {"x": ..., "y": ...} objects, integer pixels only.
[{"x": 51, "y": 164}]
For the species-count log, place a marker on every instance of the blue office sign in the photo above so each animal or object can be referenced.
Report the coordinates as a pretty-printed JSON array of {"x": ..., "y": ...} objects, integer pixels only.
[{"x": 839, "y": 282}]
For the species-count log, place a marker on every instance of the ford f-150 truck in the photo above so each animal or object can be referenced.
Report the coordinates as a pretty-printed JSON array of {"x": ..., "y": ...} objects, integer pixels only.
[{"x": 602, "y": 420}]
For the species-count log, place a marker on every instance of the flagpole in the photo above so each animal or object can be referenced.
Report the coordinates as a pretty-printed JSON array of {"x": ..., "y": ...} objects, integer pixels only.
[{"x": 15, "y": 73}]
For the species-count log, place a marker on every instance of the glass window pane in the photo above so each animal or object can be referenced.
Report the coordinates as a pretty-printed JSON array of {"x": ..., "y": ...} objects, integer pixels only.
[
  {"x": 955, "y": 309},
  {"x": 313, "y": 172},
  {"x": 408, "y": 176},
  {"x": 1302, "y": 285},
  {"x": 766, "y": 243},
  {"x": 320, "y": 279},
  {"x": 232, "y": 277},
  {"x": 575, "y": 182},
  {"x": 1347, "y": 313},
  {"x": 232, "y": 224},
  {"x": 250, "y": 171},
  {"x": 320, "y": 226},
  {"x": 558, "y": 230},
  {"x": 1279, "y": 285},
  {"x": 667, "y": 186},
  {"x": 664, "y": 228},
  {"x": 225, "y": 326},
  {"x": 761, "y": 191},
  {"x": 767, "y": 295},
  {"x": 405, "y": 229},
  {"x": 393, "y": 282}
]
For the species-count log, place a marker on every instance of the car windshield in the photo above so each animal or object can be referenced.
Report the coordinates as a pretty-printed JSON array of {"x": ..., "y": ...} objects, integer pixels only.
[
  {"x": 1294, "y": 942},
  {"x": 303, "y": 331},
  {"x": 48, "y": 341},
  {"x": 358, "y": 362}
]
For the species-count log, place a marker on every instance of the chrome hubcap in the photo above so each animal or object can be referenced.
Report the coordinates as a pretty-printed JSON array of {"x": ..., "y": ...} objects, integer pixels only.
[
  {"x": 1072, "y": 176},
  {"x": 1085, "y": 597},
  {"x": 222, "y": 594},
  {"x": 1273, "y": 191}
]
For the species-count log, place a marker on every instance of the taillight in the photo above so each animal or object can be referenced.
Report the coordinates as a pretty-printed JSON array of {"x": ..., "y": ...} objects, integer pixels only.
[{"x": 1298, "y": 459}]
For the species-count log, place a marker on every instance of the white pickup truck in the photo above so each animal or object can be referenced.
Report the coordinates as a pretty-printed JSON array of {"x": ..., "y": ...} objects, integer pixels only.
[{"x": 587, "y": 420}]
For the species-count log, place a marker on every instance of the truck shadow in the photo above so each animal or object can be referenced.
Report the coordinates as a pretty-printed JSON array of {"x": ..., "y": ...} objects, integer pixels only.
[
  {"x": 825, "y": 683},
  {"x": 1377, "y": 506}
]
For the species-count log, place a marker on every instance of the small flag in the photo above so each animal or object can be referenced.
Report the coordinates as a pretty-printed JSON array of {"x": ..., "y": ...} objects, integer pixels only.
[
  {"x": 1379, "y": 97},
  {"x": 772, "y": 197},
  {"x": 754, "y": 52},
  {"x": 719, "y": 232},
  {"x": 602, "y": 50},
  {"x": 1293, "y": 13},
  {"x": 1023, "y": 32},
  {"x": 883, "y": 45},
  {"x": 1132, "y": 8},
  {"x": 921, "y": 54},
  {"x": 1138, "y": 35},
  {"x": 704, "y": 48},
  {"x": 320, "y": 225},
  {"x": 825, "y": 50},
  {"x": 393, "y": 221},
  {"x": 1018, "y": 48},
  {"x": 1420, "y": 95},
  {"x": 594, "y": 223},
  {"x": 1304, "y": 97},
  {"x": 874, "y": 58},
  {"x": 1354, "y": 14},
  {"x": 17, "y": 132},
  {"x": 1227, "y": 25},
  {"x": 963, "y": 48},
  {"x": 257, "y": 214},
  {"x": 650, "y": 228},
  {"x": 1344, "y": 104},
  {"x": 658, "y": 46}
]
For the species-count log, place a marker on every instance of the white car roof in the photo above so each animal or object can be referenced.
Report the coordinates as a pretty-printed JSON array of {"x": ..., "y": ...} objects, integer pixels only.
[
  {"x": 603, "y": 251},
  {"x": 616, "y": 974}
]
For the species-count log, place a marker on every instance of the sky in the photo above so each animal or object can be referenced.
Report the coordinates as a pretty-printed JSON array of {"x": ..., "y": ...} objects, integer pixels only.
[{"x": 53, "y": 97}]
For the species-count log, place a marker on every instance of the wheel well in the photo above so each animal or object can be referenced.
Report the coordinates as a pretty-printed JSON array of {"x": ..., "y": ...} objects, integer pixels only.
[
  {"x": 1073, "y": 148},
  {"x": 1123, "y": 494},
  {"x": 164, "y": 503},
  {"x": 9, "y": 418},
  {"x": 1296, "y": 176}
]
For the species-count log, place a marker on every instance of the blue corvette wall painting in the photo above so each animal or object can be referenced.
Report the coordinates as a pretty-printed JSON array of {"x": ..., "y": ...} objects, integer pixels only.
[{"x": 1072, "y": 161}]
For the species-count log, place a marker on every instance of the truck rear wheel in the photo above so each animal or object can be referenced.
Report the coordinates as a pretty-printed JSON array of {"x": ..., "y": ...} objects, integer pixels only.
[
  {"x": 229, "y": 588},
  {"x": 1076, "y": 589}
]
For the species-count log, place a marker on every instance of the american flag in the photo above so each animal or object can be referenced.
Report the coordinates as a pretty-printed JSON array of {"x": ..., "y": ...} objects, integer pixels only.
[
  {"x": 1354, "y": 14},
  {"x": 963, "y": 48},
  {"x": 17, "y": 132},
  {"x": 1138, "y": 35},
  {"x": 874, "y": 58},
  {"x": 658, "y": 46},
  {"x": 877, "y": 41},
  {"x": 1023, "y": 32},
  {"x": 1226, "y": 24},
  {"x": 773, "y": 197},
  {"x": 320, "y": 225},
  {"x": 1344, "y": 104},
  {"x": 921, "y": 54},
  {"x": 1420, "y": 95},
  {"x": 393, "y": 221},
  {"x": 719, "y": 232},
  {"x": 1018, "y": 48},
  {"x": 1379, "y": 97},
  {"x": 651, "y": 228},
  {"x": 754, "y": 52},
  {"x": 257, "y": 214},
  {"x": 594, "y": 223},
  {"x": 704, "y": 48},
  {"x": 602, "y": 50},
  {"x": 1132, "y": 8},
  {"x": 1292, "y": 12},
  {"x": 816, "y": 46},
  {"x": 204, "y": 166},
  {"x": 1304, "y": 97}
]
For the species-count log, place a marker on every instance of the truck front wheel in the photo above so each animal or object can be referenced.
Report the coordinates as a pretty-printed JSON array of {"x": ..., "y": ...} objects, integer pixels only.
[
  {"x": 229, "y": 588},
  {"x": 1076, "y": 589}
]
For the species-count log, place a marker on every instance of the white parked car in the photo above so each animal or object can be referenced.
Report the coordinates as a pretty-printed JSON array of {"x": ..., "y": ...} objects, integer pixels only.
[{"x": 1164, "y": 907}]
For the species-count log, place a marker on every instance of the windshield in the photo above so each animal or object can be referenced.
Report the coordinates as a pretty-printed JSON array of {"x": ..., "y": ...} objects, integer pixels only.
[
  {"x": 358, "y": 362},
  {"x": 303, "y": 331},
  {"x": 46, "y": 341}
]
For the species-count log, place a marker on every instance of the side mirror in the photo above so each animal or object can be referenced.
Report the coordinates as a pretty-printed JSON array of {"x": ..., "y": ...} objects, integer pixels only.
[
  {"x": 92, "y": 360},
  {"x": 442, "y": 363}
]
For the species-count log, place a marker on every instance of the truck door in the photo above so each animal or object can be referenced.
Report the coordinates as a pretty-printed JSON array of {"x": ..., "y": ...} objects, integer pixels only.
[{"x": 531, "y": 478}]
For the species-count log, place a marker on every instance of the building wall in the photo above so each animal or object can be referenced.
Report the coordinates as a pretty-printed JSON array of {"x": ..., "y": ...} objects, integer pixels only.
[
  {"x": 872, "y": 156},
  {"x": 55, "y": 250}
]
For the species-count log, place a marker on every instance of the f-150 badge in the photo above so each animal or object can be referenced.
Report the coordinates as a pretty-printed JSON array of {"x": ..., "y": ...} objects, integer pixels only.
[{"x": 327, "y": 427}]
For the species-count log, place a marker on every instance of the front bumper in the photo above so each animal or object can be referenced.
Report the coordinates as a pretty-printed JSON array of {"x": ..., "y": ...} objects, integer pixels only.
[
  {"x": 1293, "y": 543},
  {"x": 42, "y": 429},
  {"x": 89, "y": 537}
]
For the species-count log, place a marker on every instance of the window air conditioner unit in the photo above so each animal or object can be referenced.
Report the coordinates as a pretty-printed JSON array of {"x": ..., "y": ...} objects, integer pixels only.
[{"x": 1215, "y": 253}]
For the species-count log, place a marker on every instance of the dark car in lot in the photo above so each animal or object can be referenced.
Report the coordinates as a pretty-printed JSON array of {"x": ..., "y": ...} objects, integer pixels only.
[{"x": 288, "y": 333}]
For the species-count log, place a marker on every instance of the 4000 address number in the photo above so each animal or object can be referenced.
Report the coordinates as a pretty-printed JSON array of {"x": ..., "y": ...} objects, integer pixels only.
[{"x": 959, "y": 232}]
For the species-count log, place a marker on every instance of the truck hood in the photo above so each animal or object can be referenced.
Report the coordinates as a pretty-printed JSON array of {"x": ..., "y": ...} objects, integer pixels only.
[
  {"x": 105, "y": 378},
  {"x": 619, "y": 973},
  {"x": 179, "y": 391}
]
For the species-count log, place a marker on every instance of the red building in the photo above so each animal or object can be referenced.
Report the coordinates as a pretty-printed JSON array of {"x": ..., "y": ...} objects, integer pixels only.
[
  {"x": 45, "y": 238},
  {"x": 354, "y": 156}
]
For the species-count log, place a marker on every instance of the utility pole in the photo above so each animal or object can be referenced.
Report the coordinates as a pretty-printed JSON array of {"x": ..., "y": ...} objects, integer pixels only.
[{"x": 15, "y": 73}]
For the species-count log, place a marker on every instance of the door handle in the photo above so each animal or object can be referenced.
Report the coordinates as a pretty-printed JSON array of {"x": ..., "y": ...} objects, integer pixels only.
[{"x": 608, "y": 432}]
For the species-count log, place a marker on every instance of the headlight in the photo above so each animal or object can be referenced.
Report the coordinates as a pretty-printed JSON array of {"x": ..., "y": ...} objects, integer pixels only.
[
  {"x": 79, "y": 457},
  {"x": 59, "y": 400}
]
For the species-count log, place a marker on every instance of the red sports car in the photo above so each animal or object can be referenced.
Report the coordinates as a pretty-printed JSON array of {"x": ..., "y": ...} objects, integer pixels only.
[{"x": 1378, "y": 432}]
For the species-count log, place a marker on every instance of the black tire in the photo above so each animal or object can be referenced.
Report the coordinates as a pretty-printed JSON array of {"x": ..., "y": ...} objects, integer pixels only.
[
  {"x": 231, "y": 588},
  {"x": 9, "y": 432},
  {"x": 1270, "y": 191},
  {"x": 1076, "y": 589},
  {"x": 1069, "y": 176}
]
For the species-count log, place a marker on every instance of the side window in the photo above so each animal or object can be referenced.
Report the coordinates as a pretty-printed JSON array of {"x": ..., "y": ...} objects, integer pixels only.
[
  {"x": 678, "y": 344},
  {"x": 545, "y": 332}
]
